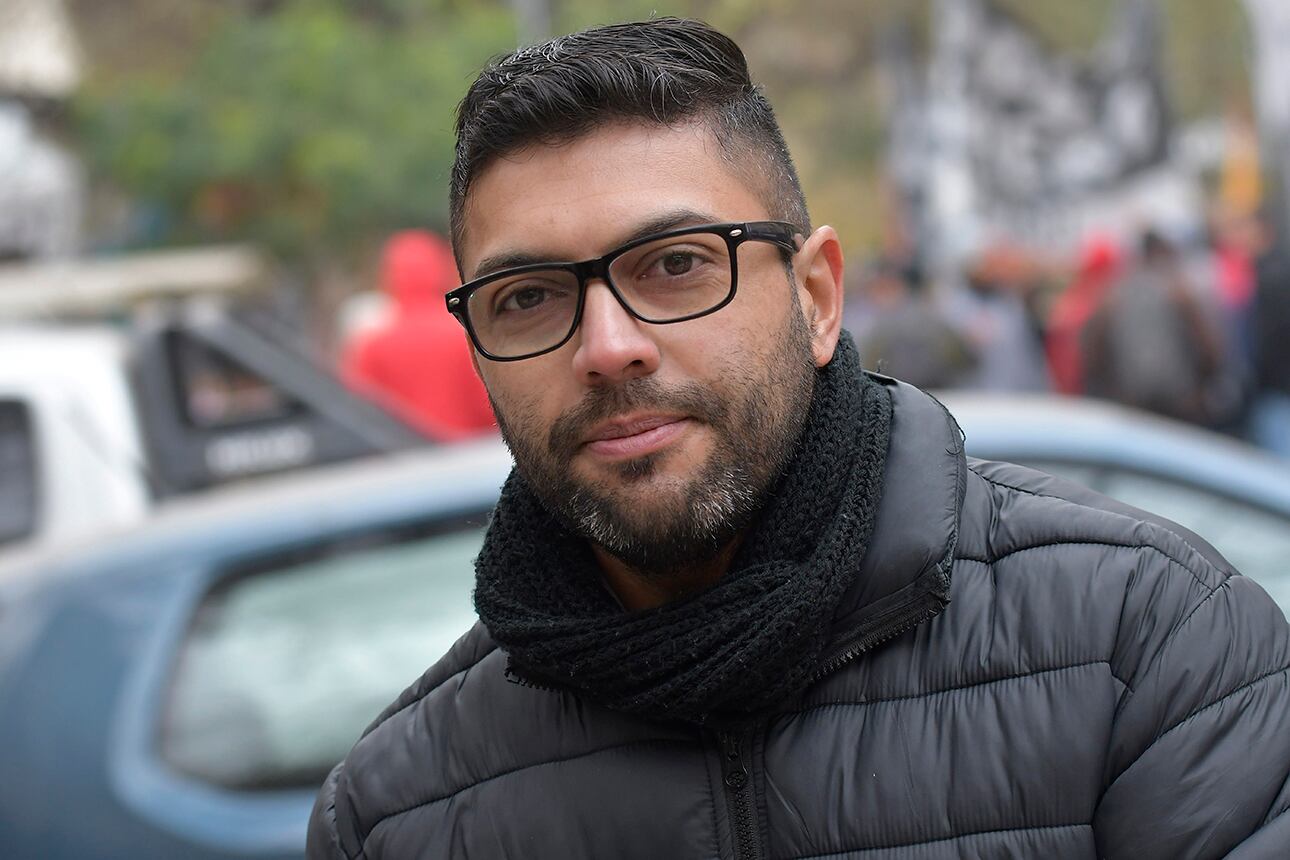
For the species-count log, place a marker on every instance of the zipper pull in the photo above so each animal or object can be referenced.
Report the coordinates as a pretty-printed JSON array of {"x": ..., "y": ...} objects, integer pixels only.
[{"x": 736, "y": 775}]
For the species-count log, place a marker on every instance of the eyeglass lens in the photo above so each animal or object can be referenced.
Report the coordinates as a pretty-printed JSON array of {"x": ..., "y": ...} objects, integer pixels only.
[{"x": 660, "y": 281}]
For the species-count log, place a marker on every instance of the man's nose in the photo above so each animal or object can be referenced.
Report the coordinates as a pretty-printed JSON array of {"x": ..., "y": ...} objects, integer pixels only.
[{"x": 613, "y": 346}]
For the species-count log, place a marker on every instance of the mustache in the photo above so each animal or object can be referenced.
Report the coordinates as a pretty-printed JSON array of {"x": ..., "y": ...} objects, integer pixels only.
[{"x": 645, "y": 393}]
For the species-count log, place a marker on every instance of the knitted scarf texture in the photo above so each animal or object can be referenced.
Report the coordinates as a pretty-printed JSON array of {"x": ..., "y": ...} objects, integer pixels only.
[{"x": 731, "y": 650}]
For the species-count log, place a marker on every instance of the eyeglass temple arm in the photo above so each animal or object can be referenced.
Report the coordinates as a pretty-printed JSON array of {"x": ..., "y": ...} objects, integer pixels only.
[{"x": 780, "y": 232}]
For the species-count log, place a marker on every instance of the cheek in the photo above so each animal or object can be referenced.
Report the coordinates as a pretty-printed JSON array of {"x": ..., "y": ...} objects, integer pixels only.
[
  {"x": 744, "y": 338},
  {"x": 747, "y": 326},
  {"x": 522, "y": 396}
]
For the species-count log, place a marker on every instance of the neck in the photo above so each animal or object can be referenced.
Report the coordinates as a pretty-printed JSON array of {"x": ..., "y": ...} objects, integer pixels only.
[{"x": 637, "y": 591}]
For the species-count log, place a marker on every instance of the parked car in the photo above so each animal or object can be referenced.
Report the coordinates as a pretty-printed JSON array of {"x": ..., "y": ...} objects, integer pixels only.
[{"x": 180, "y": 690}]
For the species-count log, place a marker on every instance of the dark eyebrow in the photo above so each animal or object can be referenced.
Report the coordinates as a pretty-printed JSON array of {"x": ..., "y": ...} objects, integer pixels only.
[{"x": 671, "y": 220}]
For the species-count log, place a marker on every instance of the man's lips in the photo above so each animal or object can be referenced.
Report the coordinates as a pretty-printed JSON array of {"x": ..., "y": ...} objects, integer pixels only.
[{"x": 635, "y": 437}]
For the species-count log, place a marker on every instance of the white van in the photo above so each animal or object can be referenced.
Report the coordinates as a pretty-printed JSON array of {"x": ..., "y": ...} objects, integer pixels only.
[
  {"x": 71, "y": 452},
  {"x": 99, "y": 422}
]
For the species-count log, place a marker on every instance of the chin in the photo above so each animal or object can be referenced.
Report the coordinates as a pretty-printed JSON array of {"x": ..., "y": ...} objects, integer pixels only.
[{"x": 638, "y": 469}]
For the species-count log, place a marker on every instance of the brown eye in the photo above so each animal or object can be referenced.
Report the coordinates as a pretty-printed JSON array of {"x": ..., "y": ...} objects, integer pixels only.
[
  {"x": 678, "y": 263},
  {"x": 528, "y": 298}
]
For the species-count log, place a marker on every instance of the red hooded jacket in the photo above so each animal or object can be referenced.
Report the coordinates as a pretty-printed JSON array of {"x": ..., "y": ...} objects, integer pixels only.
[
  {"x": 1099, "y": 265},
  {"x": 418, "y": 363}
]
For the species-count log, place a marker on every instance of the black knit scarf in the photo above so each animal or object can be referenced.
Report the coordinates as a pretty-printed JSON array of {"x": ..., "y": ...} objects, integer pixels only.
[{"x": 735, "y": 648}]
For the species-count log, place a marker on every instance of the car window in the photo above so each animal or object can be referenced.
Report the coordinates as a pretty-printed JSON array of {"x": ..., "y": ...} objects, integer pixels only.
[
  {"x": 1255, "y": 540},
  {"x": 18, "y": 490},
  {"x": 218, "y": 391},
  {"x": 284, "y": 666}
]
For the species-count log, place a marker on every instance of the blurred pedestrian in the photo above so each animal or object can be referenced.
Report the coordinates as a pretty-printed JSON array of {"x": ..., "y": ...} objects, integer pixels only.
[
  {"x": 992, "y": 309},
  {"x": 902, "y": 332},
  {"x": 1149, "y": 344},
  {"x": 1100, "y": 262},
  {"x": 417, "y": 362},
  {"x": 1270, "y": 410},
  {"x": 1238, "y": 239}
]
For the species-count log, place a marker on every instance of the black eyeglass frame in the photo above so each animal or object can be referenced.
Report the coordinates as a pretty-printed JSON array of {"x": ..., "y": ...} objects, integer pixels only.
[{"x": 781, "y": 233}]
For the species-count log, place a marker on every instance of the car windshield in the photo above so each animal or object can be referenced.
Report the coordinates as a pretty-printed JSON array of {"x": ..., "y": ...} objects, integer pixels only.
[{"x": 283, "y": 667}]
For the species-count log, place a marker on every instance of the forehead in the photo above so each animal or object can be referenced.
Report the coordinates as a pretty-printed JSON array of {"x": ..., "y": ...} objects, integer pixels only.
[{"x": 579, "y": 199}]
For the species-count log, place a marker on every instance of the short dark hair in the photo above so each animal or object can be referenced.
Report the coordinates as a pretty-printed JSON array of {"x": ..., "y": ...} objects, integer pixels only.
[{"x": 665, "y": 71}]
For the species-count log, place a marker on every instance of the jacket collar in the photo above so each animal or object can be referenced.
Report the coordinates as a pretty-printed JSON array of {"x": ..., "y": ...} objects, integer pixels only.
[{"x": 904, "y": 578}]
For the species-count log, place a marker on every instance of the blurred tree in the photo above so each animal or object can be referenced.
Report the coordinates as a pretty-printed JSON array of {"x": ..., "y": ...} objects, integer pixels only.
[
  {"x": 311, "y": 125},
  {"x": 317, "y": 124}
]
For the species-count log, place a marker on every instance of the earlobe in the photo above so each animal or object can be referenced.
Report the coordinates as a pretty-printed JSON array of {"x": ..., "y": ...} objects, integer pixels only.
[{"x": 821, "y": 291}]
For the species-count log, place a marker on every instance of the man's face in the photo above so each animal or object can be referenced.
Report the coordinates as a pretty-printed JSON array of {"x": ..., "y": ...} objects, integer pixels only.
[{"x": 656, "y": 442}]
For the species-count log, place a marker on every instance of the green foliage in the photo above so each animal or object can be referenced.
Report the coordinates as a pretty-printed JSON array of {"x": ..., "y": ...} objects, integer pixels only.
[
  {"x": 312, "y": 127},
  {"x": 316, "y": 125}
]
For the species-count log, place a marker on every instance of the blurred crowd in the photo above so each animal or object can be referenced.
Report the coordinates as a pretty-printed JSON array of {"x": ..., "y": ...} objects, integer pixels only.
[{"x": 1194, "y": 327}]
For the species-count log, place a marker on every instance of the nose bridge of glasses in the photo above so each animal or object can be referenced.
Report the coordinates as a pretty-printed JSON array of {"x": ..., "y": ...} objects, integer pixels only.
[{"x": 591, "y": 271}]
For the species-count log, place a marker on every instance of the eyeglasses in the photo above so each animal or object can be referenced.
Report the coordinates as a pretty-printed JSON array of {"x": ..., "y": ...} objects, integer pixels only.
[{"x": 670, "y": 277}]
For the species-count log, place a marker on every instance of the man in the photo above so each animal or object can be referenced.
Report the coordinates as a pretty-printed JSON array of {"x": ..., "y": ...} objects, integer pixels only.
[{"x": 740, "y": 599}]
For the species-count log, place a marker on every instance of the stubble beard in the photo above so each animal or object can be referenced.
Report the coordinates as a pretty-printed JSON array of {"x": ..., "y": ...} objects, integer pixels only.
[{"x": 756, "y": 421}]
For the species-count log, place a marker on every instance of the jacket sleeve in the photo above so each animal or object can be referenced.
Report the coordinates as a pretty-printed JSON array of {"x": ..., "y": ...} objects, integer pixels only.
[
  {"x": 1269, "y": 842},
  {"x": 323, "y": 839},
  {"x": 1200, "y": 749}
]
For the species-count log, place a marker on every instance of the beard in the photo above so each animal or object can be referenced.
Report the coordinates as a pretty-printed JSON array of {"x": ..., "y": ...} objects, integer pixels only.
[{"x": 660, "y": 526}]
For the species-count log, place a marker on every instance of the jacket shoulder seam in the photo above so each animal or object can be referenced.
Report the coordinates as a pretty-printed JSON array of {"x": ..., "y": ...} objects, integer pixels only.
[
  {"x": 1209, "y": 589},
  {"x": 960, "y": 687},
  {"x": 1017, "y": 489},
  {"x": 1224, "y": 576}
]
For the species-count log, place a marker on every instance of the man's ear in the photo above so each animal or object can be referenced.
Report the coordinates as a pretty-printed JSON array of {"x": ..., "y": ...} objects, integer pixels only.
[{"x": 819, "y": 288}]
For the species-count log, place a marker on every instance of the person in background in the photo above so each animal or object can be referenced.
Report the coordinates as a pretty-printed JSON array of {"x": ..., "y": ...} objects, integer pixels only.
[
  {"x": 902, "y": 332},
  {"x": 1149, "y": 344},
  {"x": 1236, "y": 240},
  {"x": 1100, "y": 263},
  {"x": 993, "y": 311},
  {"x": 417, "y": 362},
  {"x": 1269, "y": 417}
]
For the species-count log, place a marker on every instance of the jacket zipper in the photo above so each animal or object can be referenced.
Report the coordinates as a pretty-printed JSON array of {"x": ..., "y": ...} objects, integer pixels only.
[
  {"x": 899, "y": 621},
  {"x": 514, "y": 677},
  {"x": 739, "y": 788}
]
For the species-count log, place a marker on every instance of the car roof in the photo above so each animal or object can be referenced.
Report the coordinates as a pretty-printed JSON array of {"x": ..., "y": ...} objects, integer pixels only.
[
  {"x": 1075, "y": 430},
  {"x": 452, "y": 479}
]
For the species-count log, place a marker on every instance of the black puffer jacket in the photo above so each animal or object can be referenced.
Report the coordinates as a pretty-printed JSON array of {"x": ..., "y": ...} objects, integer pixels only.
[{"x": 1101, "y": 685}]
